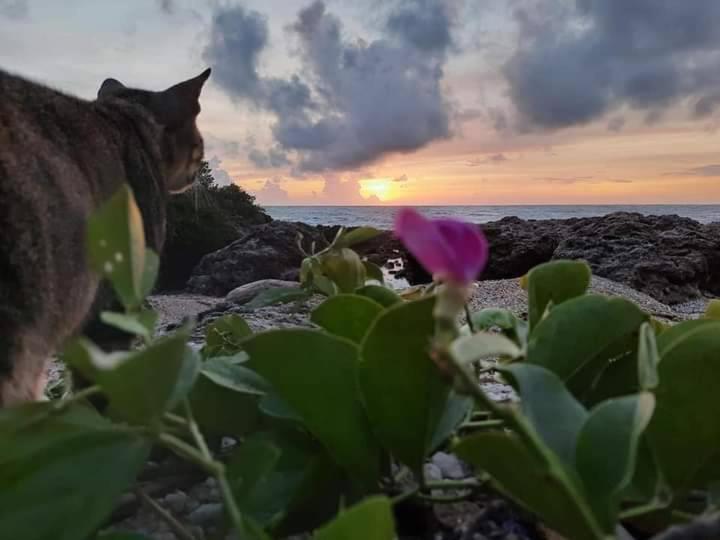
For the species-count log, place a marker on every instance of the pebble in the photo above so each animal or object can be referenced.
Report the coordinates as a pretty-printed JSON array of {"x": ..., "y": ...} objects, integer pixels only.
[
  {"x": 176, "y": 502},
  {"x": 433, "y": 473},
  {"x": 450, "y": 467},
  {"x": 206, "y": 514}
]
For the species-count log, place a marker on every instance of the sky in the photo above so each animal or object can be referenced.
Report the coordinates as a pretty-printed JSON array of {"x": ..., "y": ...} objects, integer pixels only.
[{"x": 413, "y": 102}]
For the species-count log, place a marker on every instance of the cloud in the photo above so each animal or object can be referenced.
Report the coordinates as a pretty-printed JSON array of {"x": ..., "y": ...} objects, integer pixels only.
[
  {"x": 14, "y": 9},
  {"x": 576, "y": 65},
  {"x": 355, "y": 101},
  {"x": 569, "y": 180},
  {"x": 424, "y": 24},
  {"x": 273, "y": 193},
  {"x": 220, "y": 175},
  {"x": 345, "y": 192},
  {"x": 495, "y": 158},
  {"x": 616, "y": 124},
  {"x": 216, "y": 145},
  {"x": 706, "y": 170},
  {"x": 167, "y": 6},
  {"x": 272, "y": 158}
]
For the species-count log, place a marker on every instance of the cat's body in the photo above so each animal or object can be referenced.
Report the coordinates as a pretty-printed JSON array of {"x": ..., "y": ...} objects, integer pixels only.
[{"x": 60, "y": 158}]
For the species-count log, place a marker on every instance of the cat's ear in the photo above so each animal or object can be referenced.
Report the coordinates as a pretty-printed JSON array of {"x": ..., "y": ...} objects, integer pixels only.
[
  {"x": 180, "y": 103},
  {"x": 109, "y": 88}
]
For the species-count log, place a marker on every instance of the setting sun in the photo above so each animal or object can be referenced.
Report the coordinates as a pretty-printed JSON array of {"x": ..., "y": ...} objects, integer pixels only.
[{"x": 376, "y": 187}]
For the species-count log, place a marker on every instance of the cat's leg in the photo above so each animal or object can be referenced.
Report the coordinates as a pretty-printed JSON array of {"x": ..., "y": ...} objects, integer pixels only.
[{"x": 23, "y": 369}]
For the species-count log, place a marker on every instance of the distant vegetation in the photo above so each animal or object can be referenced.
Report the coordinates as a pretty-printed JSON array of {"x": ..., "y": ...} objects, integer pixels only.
[{"x": 202, "y": 220}]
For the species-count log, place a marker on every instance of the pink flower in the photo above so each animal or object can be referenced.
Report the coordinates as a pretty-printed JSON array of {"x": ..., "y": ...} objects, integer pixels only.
[{"x": 449, "y": 249}]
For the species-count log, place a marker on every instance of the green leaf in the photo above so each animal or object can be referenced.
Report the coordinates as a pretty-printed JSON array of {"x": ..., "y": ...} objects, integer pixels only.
[
  {"x": 382, "y": 295},
  {"x": 555, "y": 282},
  {"x": 511, "y": 326},
  {"x": 250, "y": 464},
  {"x": 142, "y": 385},
  {"x": 581, "y": 336},
  {"x": 347, "y": 315},
  {"x": 61, "y": 473},
  {"x": 224, "y": 335},
  {"x": 221, "y": 409},
  {"x": 607, "y": 450},
  {"x": 140, "y": 324},
  {"x": 552, "y": 411},
  {"x": 457, "y": 409},
  {"x": 315, "y": 374},
  {"x": 225, "y": 372},
  {"x": 150, "y": 273},
  {"x": 372, "y": 518},
  {"x": 648, "y": 358},
  {"x": 482, "y": 346},
  {"x": 525, "y": 477},
  {"x": 356, "y": 236},
  {"x": 684, "y": 434},
  {"x": 325, "y": 285},
  {"x": 713, "y": 310},
  {"x": 279, "y": 295},
  {"x": 373, "y": 272},
  {"x": 648, "y": 484},
  {"x": 403, "y": 390},
  {"x": 279, "y": 500},
  {"x": 344, "y": 268},
  {"x": 116, "y": 246},
  {"x": 272, "y": 405}
]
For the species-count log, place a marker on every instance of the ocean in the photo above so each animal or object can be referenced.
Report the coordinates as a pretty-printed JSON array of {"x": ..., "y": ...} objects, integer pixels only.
[{"x": 382, "y": 216}]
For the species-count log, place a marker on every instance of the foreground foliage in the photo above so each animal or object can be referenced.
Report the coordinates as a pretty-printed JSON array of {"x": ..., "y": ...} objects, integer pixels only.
[{"x": 612, "y": 432}]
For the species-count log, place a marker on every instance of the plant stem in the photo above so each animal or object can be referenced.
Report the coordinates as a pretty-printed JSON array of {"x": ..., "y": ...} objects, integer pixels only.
[
  {"x": 227, "y": 494},
  {"x": 468, "y": 483},
  {"x": 468, "y": 316},
  {"x": 177, "y": 420},
  {"x": 642, "y": 510},
  {"x": 397, "y": 499},
  {"x": 79, "y": 396},
  {"x": 195, "y": 431},
  {"x": 482, "y": 424},
  {"x": 187, "y": 451},
  {"x": 175, "y": 526},
  {"x": 445, "y": 499}
]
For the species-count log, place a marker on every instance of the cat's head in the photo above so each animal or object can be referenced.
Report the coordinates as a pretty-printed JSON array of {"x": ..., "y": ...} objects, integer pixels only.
[{"x": 175, "y": 109}]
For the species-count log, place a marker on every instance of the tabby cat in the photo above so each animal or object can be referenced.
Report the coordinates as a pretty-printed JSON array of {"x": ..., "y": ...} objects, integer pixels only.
[{"x": 60, "y": 158}]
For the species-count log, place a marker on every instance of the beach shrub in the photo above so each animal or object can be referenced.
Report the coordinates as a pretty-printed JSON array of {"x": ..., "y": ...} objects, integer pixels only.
[
  {"x": 612, "y": 431},
  {"x": 202, "y": 220}
]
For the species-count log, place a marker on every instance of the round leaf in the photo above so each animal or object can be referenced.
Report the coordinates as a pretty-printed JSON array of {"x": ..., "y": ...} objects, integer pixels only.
[
  {"x": 347, "y": 315},
  {"x": 403, "y": 390},
  {"x": 315, "y": 374}
]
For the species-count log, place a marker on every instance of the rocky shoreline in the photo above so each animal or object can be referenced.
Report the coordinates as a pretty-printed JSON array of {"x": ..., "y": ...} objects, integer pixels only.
[
  {"x": 672, "y": 259},
  {"x": 666, "y": 265}
]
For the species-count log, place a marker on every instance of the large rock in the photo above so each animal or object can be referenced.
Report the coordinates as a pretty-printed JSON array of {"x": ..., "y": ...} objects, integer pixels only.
[
  {"x": 267, "y": 251},
  {"x": 670, "y": 258}
]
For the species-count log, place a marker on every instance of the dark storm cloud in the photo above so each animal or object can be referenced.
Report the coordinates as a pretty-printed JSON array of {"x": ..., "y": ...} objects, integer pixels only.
[
  {"x": 424, "y": 24},
  {"x": 646, "y": 54},
  {"x": 167, "y": 6},
  {"x": 14, "y": 9},
  {"x": 353, "y": 101}
]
